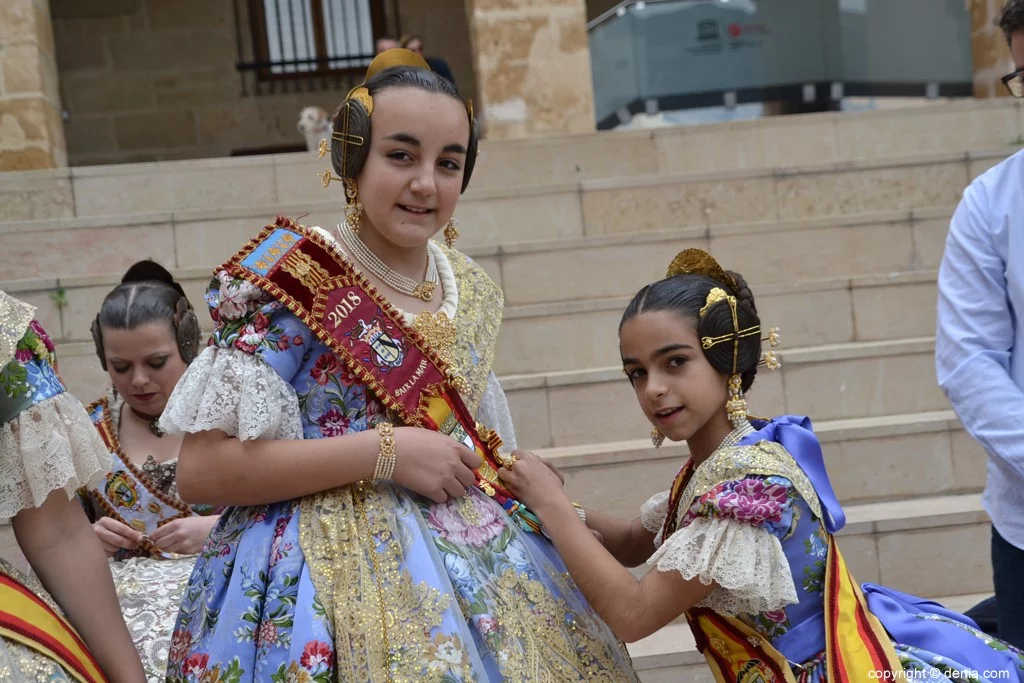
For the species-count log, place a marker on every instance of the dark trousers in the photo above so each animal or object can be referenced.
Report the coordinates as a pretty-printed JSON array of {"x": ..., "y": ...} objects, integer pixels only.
[{"x": 1008, "y": 577}]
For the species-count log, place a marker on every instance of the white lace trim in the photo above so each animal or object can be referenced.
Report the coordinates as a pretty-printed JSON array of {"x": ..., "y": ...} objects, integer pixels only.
[
  {"x": 49, "y": 446},
  {"x": 235, "y": 392},
  {"x": 15, "y": 316},
  {"x": 747, "y": 563},
  {"x": 653, "y": 513},
  {"x": 494, "y": 413}
]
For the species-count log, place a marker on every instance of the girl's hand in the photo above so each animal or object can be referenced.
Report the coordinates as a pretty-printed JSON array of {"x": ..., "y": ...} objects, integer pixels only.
[
  {"x": 184, "y": 536},
  {"x": 115, "y": 535},
  {"x": 534, "y": 483},
  {"x": 433, "y": 464}
]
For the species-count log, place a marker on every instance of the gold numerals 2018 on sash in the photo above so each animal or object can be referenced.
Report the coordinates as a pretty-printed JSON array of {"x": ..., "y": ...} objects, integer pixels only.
[{"x": 344, "y": 308}]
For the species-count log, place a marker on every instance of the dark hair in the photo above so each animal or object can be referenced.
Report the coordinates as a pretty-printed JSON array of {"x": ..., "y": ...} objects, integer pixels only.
[
  {"x": 359, "y": 122},
  {"x": 686, "y": 295},
  {"x": 148, "y": 293},
  {"x": 1011, "y": 18}
]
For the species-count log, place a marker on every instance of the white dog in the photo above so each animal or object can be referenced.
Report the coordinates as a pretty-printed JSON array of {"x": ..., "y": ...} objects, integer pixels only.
[{"x": 314, "y": 126}]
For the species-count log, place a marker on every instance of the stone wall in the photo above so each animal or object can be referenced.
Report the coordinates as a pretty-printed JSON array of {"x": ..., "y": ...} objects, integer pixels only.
[
  {"x": 533, "y": 66},
  {"x": 31, "y": 135},
  {"x": 150, "y": 80},
  {"x": 989, "y": 51}
]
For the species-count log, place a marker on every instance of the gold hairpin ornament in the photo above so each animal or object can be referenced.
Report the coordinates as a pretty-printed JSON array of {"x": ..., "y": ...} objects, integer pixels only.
[
  {"x": 323, "y": 148},
  {"x": 768, "y": 358},
  {"x": 348, "y": 138},
  {"x": 699, "y": 262},
  {"x": 714, "y": 296},
  {"x": 707, "y": 342},
  {"x": 326, "y": 177},
  {"x": 361, "y": 95}
]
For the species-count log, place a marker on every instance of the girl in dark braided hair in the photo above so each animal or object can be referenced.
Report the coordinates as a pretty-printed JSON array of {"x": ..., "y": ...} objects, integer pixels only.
[
  {"x": 348, "y": 413},
  {"x": 742, "y": 543},
  {"x": 146, "y": 335}
]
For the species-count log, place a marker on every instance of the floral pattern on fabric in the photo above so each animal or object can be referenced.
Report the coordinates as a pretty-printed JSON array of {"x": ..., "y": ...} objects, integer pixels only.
[
  {"x": 493, "y": 601},
  {"x": 773, "y": 503},
  {"x": 34, "y": 362},
  {"x": 765, "y": 502}
]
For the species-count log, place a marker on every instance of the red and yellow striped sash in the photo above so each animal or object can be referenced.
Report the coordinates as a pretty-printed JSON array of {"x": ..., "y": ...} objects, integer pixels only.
[
  {"x": 856, "y": 644},
  {"x": 25, "y": 618},
  {"x": 857, "y": 648}
]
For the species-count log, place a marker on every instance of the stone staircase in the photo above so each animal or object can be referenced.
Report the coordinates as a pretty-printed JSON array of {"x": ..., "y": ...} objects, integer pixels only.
[{"x": 837, "y": 221}]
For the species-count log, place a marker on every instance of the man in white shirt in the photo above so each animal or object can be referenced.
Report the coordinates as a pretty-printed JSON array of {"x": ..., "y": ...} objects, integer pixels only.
[{"x": 979, "y": 344}]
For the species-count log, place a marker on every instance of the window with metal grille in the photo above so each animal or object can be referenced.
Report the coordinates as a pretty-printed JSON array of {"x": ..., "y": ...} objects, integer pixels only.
[{"x": 301, "y": 38}]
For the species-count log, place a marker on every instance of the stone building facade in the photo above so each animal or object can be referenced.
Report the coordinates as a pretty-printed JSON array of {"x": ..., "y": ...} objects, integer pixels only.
[
  {"x": 86, "y": 82},
  {"x": 151, "y": 80}
]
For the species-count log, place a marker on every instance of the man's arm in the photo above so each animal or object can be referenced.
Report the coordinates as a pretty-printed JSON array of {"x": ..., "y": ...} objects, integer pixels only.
[{"x": 975, "y": 333}]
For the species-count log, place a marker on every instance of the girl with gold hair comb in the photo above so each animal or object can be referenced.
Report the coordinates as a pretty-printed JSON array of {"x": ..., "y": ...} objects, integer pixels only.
[
  {"x": 347, "y": 412},
  {"x": 742, "y": 542}
]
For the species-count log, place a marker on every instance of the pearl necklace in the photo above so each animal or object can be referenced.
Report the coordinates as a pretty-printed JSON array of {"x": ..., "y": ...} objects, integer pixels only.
[
  {"x": 392, "y": 278},
  {"x": 736, "y": 435}
]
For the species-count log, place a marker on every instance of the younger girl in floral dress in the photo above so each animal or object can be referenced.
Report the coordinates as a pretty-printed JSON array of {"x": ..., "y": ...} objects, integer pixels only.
[{"x": 742, "y": 542}]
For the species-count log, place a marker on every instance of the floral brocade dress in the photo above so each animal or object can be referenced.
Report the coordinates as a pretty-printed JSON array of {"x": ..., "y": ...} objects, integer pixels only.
[
  {"x": 46, "y": 444},
  {"x": 750, "y": 519},
  {"x": 369, "y": 582}
]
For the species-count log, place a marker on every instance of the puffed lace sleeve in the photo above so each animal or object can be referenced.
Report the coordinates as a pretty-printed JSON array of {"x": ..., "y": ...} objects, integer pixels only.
[
  {"x": 494, "y": 413},
  {"x": 240, "y": 384},
  {"x": 47, "y": 441},
  {"x": 731, "y": 536},
  {"x": 652, "y": 513}
]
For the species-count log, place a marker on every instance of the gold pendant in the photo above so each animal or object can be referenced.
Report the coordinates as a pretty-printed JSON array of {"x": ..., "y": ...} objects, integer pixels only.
[{"x": 425, "y": 290}]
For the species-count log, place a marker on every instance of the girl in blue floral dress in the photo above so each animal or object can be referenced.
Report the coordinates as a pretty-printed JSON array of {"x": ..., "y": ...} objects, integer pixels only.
[
  {"x": 743, "y": 541},
  {"x": 365, "y": 541}
]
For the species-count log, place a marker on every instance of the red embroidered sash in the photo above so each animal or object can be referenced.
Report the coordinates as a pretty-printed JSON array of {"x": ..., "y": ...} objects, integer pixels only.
[{"x": 312, "y": 279}]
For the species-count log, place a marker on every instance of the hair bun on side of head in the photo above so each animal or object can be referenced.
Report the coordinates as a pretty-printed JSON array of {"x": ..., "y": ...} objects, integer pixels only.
[{"x": 150, "y": 270}]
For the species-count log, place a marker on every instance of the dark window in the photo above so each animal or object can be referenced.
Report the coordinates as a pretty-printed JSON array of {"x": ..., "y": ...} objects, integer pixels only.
[{"x": 302, "y": 38}]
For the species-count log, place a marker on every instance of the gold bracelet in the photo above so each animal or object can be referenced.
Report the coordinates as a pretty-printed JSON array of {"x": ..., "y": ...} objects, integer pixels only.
[{"x": 386, "y": 458}]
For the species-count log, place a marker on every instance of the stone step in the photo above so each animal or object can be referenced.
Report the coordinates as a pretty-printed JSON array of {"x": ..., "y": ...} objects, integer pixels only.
[
  {"x": 201, "y": 227},
  {"x": 568, "y": 408},
  {"x": 670, "y": 655},
  {"x": 572, "y": 335},
  {"x": 772, "y": 142},
  {"x": 538, "y": 272},
  {"x": 869, "y": 460},
  {"x": 534, "y": 271},
  {"x": 836, "y": 381}
]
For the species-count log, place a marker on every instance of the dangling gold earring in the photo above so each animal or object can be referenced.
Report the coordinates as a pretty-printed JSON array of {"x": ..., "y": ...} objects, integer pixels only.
[
  {"x": 451, "y": 232},
  {"x": 657, "y": 438},
  {"x": 353, "y": 209},
  {"x": 736, "y": 406}
]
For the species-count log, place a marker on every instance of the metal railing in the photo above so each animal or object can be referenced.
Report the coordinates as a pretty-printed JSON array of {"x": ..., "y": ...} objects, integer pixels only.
[{"x": 302, "y": 45}]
